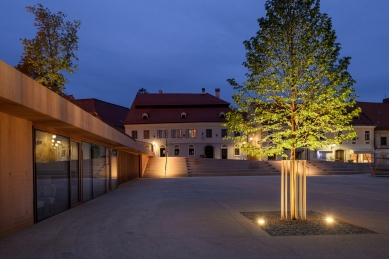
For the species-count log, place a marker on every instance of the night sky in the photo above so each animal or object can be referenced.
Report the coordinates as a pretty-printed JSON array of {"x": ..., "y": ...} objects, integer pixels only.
[{"x": 181, "y": 46}]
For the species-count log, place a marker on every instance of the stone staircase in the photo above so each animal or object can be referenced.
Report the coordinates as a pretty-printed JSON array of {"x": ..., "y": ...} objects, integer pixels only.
[
  {"x": 196, "y": 167},
  {"x": 334, "y": 168},
  {"x": 175, "y": 167},
  {"x": 228, "y": 167}
]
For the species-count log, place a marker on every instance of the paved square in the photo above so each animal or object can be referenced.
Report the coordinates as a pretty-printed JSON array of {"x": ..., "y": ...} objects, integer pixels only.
[{"x": 200, "y": 218}]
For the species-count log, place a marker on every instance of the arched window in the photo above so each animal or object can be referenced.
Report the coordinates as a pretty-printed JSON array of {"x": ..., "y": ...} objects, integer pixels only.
[
  {"x": 183, "y": 115},
  {"x": 191, "y": 150},
  {"x": 222, "y": 115},
  {"x": 145, "y": 116},
  {"x": 224, "y": 146},
  {"x": 176, "y": 150}
]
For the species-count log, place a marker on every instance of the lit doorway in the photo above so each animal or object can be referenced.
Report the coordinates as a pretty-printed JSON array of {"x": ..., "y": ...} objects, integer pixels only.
[{"x": 339, "y": 155}]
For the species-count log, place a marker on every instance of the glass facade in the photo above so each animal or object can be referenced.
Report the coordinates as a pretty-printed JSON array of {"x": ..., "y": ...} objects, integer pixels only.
[
  {"x": 51, "y": 174},
  {"x": 69, "y": 172}
]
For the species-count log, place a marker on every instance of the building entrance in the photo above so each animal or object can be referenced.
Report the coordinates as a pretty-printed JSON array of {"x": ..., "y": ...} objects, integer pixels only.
[
  {"x": 224, "y": 153},
  {"x": 208, "y": 152},
  {"x": 339, "y": 155}
]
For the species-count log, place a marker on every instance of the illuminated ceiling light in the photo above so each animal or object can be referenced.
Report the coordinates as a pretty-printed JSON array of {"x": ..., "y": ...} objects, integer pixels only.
[
  {"x": 58, "y": 141},
  {"x": 56, "y": 144},
  {"x": 54, "y": 136},
  {"x": 261, "y": 221},
  {"x": 251, "y": 139},
  {"x": 52, "y": 140},
  {"x": 329, "y": 219}
]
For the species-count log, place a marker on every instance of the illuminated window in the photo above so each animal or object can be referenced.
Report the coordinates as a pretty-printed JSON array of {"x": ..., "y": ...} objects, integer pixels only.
[{"x": 190, "y": 133}]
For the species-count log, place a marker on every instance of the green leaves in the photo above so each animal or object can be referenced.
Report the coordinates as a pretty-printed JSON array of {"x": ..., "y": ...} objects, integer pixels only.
[
  {"x": 297, "y": 87},
  {"x": 52, "y": 50}
]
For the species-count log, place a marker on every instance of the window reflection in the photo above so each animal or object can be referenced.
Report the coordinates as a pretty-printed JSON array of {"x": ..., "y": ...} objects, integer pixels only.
[{"x": 52, "y": 174}]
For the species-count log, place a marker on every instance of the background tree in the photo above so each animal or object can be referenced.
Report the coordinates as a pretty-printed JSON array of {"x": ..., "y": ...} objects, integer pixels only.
[
  {"x": 142, "y": 91},
  {"x": 297, "y": 88},
  {"x": 52, "y": 50}
]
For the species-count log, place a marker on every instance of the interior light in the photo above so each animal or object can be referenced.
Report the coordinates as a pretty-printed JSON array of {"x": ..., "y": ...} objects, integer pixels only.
[
  {"x": 54, "y": 136},
  {"x": 52, "y": 140},
  {"x": 251, "y": 139},
  {"x": 56, "y": 144},
  {"x": 58, "y": 141}
]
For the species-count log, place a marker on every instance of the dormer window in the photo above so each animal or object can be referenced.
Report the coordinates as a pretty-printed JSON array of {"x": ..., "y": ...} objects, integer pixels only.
[
  {"x": 222, "y": 115},
  {"x": 145, "y": 116},
  {"x": 183, "y": 115}
]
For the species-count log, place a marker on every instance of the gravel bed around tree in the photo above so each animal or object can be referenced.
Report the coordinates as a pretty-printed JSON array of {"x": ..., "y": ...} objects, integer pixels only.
[{"x": 315, "y": 224}]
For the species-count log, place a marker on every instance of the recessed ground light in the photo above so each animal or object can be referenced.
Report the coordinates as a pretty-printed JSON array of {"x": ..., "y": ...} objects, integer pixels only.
[
  {"x": 261, "y": 221},
  {"x": 329, "y": 219}
]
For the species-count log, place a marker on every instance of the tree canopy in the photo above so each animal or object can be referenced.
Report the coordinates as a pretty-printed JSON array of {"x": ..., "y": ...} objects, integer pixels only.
[
  {"x": 52, "y": 50},
  {"x": 142, "y": 91},
  {"x": 298, "y": 92}
]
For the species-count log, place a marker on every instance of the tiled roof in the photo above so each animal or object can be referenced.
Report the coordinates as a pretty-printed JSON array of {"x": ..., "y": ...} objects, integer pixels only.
[
  {"x": 110, "y": 113},
  {"x": 167, "y": 108},
  {"x": 177, "y": 100},
  {"x": 377, "y": 113}
]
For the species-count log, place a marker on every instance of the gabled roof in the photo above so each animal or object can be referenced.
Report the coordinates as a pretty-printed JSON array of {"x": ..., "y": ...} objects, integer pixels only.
[
  {"x": 167, "y": 108},
  {"x": 377, "y": 113},
  {"x": 110, "y": 113}
]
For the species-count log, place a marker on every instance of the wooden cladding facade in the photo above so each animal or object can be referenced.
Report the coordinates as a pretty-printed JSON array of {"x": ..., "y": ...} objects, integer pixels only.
[{"x": 128, "y": 167}]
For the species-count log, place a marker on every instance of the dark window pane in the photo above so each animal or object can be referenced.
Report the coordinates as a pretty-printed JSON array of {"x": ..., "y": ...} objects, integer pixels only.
[
  {"x": 74, "y": 172},
  {"x": 86, "y": 172}
]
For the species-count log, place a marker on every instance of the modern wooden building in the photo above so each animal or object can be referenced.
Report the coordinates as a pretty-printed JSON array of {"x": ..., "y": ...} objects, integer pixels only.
[{"x": 54, "y": 155}]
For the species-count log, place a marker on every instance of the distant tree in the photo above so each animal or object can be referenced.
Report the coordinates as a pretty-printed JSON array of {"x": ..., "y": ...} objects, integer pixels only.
[
  {"x": 297, "y": 88},
  {"x": 142, "y": 91},
  {"x": 52, "y": 50}
]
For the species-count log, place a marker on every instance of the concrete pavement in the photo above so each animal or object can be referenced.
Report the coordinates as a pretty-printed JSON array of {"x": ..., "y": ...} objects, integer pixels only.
[{"x": 200, "y": 218}]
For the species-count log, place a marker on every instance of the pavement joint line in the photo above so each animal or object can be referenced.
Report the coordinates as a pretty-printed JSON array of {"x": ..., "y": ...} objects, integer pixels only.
[{"x": 239, "y": 218}]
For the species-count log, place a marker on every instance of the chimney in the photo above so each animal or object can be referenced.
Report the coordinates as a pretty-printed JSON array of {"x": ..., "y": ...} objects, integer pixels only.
[
  {"x": 203, "y": 90},
  {"x": 217, "y": 92},
  {"x": 160, "y": 91},
  {"x": 386, "y": 100}
]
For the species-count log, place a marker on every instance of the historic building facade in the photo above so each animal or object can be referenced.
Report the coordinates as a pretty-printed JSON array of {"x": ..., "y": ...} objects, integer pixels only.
[{"x": 182, "y": 125}]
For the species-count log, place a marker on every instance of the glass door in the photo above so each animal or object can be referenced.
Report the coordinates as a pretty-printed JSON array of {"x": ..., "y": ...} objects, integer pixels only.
[{"x": 75, "y": 176}]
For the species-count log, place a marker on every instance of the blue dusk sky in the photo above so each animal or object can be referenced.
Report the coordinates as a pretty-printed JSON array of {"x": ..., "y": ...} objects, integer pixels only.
[{"x": 181, "y": 46}]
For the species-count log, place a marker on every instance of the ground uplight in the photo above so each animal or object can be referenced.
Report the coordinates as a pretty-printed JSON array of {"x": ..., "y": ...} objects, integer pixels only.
[
  {"x": 261, "y": 221},
  {"x": 329, "y": 219}
]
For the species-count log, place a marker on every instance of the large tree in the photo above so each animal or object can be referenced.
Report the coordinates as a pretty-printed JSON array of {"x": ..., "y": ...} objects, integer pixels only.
[
  {"x": 52, "y": 50},
  {"x": 298, "y": 92}
]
